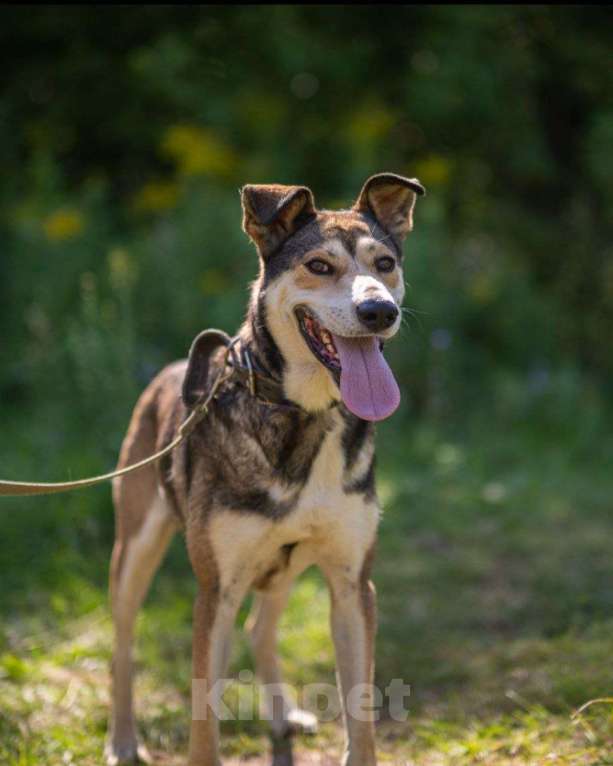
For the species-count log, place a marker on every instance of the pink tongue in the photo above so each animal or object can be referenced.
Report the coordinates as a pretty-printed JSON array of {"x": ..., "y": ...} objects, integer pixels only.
[{"x": 368, "y": 387}]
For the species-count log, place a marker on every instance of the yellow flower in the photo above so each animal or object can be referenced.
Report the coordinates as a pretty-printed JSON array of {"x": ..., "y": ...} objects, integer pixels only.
[
  {"x": 64, "y": 224},
  {"x": 433, "y": 170},
  {"x": 122, "y": 269},
  {"x": 371, "y": 122},
  {"x": 155, "y": 197},
  {"x": 198, "y": 151}
]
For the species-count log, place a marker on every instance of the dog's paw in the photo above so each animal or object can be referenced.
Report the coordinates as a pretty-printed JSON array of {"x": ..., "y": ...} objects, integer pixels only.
[
  {"x": 302, "y": 722},
  {"x": 126, "y": 753}
]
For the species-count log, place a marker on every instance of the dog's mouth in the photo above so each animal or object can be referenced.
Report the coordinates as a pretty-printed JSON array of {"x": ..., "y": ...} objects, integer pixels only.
[
  {"x": 367, "y": 385},
  {"x": 320, "y": 341}
]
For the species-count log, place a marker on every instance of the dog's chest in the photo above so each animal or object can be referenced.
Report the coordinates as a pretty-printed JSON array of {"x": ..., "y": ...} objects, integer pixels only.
[
  {"x": 327, "y": 517},
  {"x": 328, "y": 498},
  {"x": 324, "y": 487}
]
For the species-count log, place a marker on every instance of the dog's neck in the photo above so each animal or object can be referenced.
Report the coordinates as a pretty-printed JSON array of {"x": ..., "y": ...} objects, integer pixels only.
[{"x": 254, "y": 337}]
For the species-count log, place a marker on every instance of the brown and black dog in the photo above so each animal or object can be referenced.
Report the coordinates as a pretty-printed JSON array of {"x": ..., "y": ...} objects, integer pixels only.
[{"x": 280, "y": 474}]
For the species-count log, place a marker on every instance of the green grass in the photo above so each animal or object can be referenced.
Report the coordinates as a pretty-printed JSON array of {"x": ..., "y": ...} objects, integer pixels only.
[{"x": 495, "y": 581}]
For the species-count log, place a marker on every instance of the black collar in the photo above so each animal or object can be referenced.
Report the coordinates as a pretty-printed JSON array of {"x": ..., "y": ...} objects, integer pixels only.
[{"x": 252, "y": 375}]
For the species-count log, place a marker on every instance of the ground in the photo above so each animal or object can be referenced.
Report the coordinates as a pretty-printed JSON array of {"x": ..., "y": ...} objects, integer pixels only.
[{"x": 495, "y": 604}]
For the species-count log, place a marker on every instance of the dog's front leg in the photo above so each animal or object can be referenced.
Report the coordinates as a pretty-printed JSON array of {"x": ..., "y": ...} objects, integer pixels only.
[
  {"x": 353, "y": 621},
  {"x": 215, "y": 611},
  {"x": 214, "y": 614}
]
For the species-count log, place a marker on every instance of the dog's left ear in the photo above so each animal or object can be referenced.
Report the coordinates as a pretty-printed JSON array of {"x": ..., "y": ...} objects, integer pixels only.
[
  {"x": 196, "y": 381},
  {"x": 272, "y": 212},
  {"x": 390, "y": 198}
]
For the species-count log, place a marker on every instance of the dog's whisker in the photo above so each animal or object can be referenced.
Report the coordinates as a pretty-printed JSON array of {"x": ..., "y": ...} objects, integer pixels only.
[{"x": 413, "y": 312}]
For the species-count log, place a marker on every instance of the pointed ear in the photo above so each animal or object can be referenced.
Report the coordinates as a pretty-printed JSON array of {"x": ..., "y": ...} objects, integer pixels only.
[
  {"x": 195, "y": 383},
  {"x": 271, "y": 213},
  {"x": 390, "y": 198}
]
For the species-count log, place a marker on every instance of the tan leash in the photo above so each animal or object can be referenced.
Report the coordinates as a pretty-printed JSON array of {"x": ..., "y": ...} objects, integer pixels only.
[{"x": 20, "y": 488}]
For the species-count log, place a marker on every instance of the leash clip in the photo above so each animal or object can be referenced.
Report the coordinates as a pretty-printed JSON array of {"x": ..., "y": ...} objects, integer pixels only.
[{"x": 251, "y": 374}]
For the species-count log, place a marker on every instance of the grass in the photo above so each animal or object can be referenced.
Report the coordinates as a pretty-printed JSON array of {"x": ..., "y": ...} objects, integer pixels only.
[{"x": 494, "y": 575}]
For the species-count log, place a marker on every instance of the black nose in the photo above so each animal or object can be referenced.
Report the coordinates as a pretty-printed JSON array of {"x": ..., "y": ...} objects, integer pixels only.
[{"x": 377, "y": 315}]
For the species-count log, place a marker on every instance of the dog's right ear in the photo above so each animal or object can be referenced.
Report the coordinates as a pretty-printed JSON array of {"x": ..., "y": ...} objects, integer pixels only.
[
  {"x": 390, "y": 198},
  {"x": 272, "y": 213},
  {"x": 195, "y": 383}
]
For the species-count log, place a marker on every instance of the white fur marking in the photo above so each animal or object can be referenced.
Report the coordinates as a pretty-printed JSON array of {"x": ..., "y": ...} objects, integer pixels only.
[{"x": 365, "y": 286}]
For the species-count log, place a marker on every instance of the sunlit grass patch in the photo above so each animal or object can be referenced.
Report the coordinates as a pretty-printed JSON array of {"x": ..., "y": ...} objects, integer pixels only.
[{"x": 495, "y": 605}]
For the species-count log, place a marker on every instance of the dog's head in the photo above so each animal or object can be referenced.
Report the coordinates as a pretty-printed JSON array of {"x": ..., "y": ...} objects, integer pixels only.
[{"x": 331, "y": 287}]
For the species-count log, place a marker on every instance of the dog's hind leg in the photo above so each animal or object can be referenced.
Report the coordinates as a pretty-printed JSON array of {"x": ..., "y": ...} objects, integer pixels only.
[
  {"x": 285, "y": 718},
  {"x": 136, "y": 556}
]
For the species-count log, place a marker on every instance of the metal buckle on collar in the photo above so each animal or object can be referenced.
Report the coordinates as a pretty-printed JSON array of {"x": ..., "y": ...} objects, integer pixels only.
[
  {"x": 251, "y": 373},
  {"x": 242, "y": 363}
]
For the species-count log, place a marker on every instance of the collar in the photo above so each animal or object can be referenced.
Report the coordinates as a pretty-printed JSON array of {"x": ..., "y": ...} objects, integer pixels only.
[{"x": 253, "y": 376}]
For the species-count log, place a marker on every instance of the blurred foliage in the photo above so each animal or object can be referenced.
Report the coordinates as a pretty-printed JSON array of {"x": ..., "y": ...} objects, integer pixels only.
[
  {"x": 130, "y": 130},
  {"x": 125, "y": 133}
]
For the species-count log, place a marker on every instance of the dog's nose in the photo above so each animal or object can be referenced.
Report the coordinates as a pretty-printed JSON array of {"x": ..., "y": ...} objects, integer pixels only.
[{"x": 377, "y": 315}]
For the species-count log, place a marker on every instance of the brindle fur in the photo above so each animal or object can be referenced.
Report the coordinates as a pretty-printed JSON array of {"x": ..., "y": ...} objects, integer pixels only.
[{"x": 263, "y": 491}]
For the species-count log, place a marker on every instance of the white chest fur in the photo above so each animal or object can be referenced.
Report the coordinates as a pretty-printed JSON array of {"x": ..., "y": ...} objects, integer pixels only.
[{"x": 327, "y": 521}]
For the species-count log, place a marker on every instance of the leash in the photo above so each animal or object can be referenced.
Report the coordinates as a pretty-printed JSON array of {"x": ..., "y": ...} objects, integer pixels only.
[{"x": 21, "y": 488}]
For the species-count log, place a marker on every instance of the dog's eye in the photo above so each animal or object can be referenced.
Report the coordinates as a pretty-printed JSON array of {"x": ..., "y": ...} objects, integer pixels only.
[
  {"x": 317, "y": 266},
  {"x": 385, "y": 263}
]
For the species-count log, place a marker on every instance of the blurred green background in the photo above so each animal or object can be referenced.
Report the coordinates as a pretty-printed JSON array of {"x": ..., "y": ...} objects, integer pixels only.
[{"x": 125, "y": 134}]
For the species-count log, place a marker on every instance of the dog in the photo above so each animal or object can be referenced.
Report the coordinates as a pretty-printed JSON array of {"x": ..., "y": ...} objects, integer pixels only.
[{"x": 279, "y": 474}]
